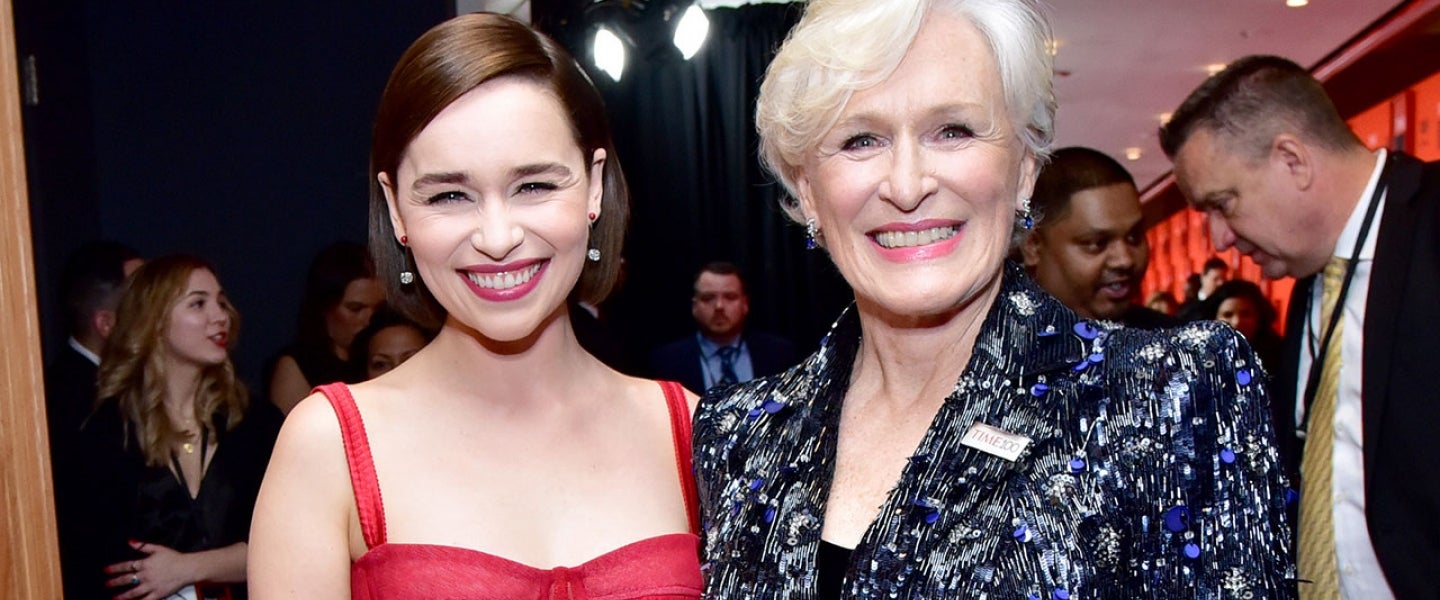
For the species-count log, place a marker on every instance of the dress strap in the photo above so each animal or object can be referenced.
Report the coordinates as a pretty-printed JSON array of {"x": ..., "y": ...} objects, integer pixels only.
[
  {"x": 684, "y": 461},
  {"x": 362, "y": 466}
]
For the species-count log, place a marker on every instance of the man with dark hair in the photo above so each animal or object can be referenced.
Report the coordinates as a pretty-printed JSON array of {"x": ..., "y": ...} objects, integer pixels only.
[
  {"x": 1214, "y": 273},
  {"x": 1088, "y": 248},
  {"x": 91, "y": 283},
  {"x": 1262, "y": 151},
  {"x": 721, "y": 352},
  {"x": 90, "y": 286}
]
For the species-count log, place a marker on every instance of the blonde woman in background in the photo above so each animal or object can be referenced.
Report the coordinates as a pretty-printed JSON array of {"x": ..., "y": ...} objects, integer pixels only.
[{"x": 174, "y": 452}]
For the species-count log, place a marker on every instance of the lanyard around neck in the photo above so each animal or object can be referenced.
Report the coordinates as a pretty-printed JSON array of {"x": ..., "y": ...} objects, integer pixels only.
[{"x": 1317, "y": 363}]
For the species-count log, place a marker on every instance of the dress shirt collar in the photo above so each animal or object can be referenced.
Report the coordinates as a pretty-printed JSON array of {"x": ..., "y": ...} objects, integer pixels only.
[
  {"x": 1345, "y": 246},
  {"x": 85, "y": 352}
]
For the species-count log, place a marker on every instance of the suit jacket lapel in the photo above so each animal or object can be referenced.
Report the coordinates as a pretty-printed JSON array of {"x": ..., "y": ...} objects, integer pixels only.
[
  {"x": 1387, "y": 289},
  {"x": 1287, "y": 382},
  {"x": 693, "y": 371}
]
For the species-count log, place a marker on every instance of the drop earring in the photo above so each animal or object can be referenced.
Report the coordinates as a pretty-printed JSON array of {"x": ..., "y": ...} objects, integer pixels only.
[
  {"x": 594, "y": 253},
  {"x": 407, "y": 276},
  {"x": 811, "y": 230},
  {"x": 1026, "y": 220}
]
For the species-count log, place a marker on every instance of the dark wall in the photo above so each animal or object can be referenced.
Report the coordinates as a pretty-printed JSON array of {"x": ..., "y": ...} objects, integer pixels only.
[{"x": 235, "y": 131}]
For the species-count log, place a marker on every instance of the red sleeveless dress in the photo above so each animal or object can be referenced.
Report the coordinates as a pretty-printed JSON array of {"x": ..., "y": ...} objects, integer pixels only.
[{"x": 665, "y": 567}]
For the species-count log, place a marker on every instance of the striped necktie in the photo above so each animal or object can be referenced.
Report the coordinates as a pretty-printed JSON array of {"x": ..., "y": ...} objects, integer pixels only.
[
  {"x": 727, "y": 365},
  {"x": 1318, "y": 563}
]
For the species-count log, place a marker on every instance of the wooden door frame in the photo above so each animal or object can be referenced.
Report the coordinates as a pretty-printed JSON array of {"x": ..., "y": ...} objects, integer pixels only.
[{"x": 29, "y": 553}]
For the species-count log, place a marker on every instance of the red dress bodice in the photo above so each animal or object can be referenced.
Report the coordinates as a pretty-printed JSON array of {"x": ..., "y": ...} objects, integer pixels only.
[{"x": 665, "y": 567}]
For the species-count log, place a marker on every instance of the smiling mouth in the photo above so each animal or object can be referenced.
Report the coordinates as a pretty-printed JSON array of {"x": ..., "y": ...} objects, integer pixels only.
[
  {"x": 506, "y": 280},
  {"x": 220, "y": 339},
  {"x": 906, "y": 239}
]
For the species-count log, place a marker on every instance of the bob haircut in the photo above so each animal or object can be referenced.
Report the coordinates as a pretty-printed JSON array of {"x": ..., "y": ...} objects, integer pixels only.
[
  {"x": 444, "y": 64},
  {"x": 842, "y": 46},
  {"x": 132, "y": 365}
]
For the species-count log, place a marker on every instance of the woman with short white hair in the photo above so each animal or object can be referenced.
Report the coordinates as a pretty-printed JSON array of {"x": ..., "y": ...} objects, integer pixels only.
[{"x": 960, "y": 432}]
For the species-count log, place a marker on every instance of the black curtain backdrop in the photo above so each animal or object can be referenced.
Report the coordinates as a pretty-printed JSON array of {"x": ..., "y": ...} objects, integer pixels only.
[
  {"x": 685, "y": 134},
  {"x": 236, "y": 131}
]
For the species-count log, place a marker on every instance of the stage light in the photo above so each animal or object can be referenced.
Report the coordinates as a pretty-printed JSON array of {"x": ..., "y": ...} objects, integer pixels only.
[
  {"x": 690, "y": 34},
  {"x": 609, "y": 53}
]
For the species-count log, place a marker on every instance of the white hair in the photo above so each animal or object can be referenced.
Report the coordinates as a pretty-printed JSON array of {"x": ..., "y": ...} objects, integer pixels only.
[{"x": 841, "y": 46}]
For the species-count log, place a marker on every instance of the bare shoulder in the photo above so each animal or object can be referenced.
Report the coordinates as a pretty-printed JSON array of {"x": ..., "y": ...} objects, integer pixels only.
[
  {"x": 650, "y": 390},
  {"x": 310, "y": 451},
  {"x": 299, "y": 537}
]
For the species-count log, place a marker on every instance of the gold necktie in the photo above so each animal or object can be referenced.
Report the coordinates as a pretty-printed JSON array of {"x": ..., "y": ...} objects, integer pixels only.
[{"x": 1317, "y": 508}]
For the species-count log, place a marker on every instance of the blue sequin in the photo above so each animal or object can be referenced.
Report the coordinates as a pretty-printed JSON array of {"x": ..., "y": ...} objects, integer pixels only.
[
  {"x": 1087, "y": 330},
  {"x": 1177, "y": 519},
  {"x": 1192, "y": 550},
  {"x": 1022, "y": 533},
  {"x": 773, "y": 406},
  {"x": 770, "y": 514},
  {"x": 755, "y": 413},
  {"x": 1062, "y": 594},
  {"x": 1243, "y": 376},
  {"x": 1039, "y": 390},
  {"x": 755, "y": 485},
  {"x": 1077, "y": 465},
  {"x": 1291, "y": 496},
  {"x": 1097, "y": 357},
  {"x": 1227, "y": 456}
]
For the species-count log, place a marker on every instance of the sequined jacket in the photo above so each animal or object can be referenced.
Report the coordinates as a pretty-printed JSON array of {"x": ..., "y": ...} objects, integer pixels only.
[{"x": 1151, "y": 470}]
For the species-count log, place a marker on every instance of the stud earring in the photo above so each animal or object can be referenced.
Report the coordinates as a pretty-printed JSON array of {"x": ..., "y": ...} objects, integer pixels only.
[
  {"x": 592, "y": 217},
  {"x": 404, "y": 240},
  {"x": 811, "y": 231},
  {"x": 407, "y": 278}
]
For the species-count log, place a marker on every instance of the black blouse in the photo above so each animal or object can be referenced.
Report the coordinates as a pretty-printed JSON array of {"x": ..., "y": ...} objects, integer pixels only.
[{"x": 121, "y": 498}]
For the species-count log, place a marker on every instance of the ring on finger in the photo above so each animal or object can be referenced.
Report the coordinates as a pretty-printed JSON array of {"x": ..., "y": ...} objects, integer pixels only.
[{"x": 134, "y": 580}]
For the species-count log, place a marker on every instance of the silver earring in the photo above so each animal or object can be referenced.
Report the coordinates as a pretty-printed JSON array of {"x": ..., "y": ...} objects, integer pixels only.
[
  {"x": 593, "y": 255},
  {"x": 407, "y": 276},
  {"x": 1026, "y": 220},
  {"x": 811, "y": 230}
]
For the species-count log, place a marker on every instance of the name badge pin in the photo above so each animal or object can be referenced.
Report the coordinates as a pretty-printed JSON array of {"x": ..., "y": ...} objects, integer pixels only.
[{"x": 996, "y": 441}]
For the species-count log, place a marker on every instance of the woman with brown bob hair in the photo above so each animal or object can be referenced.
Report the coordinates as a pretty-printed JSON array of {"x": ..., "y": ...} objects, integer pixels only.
[
  {"x": 175, "y": 455},
  {"x": 512, "y": 462}
]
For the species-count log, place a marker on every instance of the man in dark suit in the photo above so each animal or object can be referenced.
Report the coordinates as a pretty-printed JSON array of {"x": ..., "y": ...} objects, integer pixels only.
[
  {"x": 1262, "y": 151},
  {"x": 90, "y": 286},
  {"x": 91, "y": 282},
  {"x": 721, "y": 352},
  {"x": 1088, "y": 246}
]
